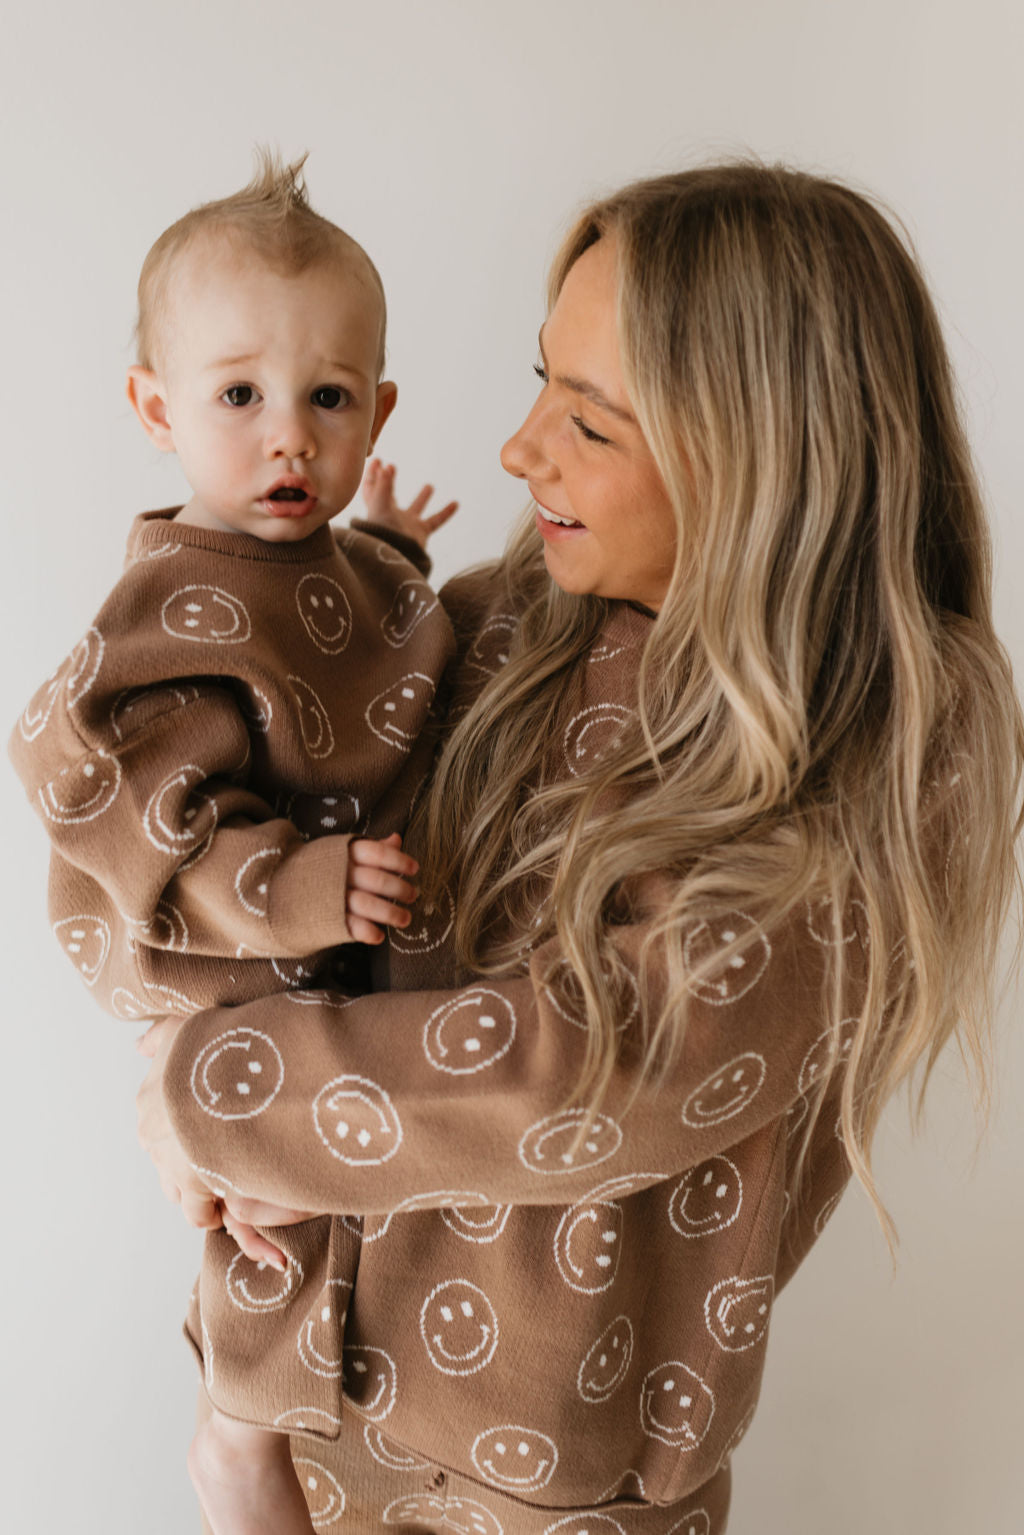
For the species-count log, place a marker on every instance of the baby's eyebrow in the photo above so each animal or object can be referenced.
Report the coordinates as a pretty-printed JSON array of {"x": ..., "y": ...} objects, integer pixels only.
[
  {"x": 229, "y": 362},
  {"x": 586, "y": 389}
]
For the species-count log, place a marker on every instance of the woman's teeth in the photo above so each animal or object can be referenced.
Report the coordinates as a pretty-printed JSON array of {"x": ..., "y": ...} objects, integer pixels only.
[{"x": 563, "y": 522}]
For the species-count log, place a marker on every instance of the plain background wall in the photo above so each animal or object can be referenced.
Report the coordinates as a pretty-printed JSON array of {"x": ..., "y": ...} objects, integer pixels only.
[{"x": 454, "y": 139}]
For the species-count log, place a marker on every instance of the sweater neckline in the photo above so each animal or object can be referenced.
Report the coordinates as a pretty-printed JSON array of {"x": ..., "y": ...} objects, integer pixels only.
[{"x": 158, "y": 529}]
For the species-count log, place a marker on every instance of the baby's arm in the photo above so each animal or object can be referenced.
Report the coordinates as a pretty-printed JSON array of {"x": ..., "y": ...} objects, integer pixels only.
[{"x": 379, "y": 495}]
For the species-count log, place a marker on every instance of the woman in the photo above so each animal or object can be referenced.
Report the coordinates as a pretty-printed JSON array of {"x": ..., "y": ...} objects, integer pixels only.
[{"x": 717, "y": 852}]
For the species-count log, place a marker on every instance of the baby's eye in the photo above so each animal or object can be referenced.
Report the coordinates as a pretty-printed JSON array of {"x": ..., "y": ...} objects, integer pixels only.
[
  {"x": 330, "y": 397},
  {"x": 239, "y": 394}
]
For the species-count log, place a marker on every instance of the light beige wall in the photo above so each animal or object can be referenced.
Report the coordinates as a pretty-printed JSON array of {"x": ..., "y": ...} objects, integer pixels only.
[{"x": 454, "y": 138}]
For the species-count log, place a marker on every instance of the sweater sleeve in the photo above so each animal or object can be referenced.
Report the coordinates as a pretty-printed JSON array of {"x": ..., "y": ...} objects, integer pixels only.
[
  {"x": 428, "y": 1099},
  {"x": 146, "y": 791}
]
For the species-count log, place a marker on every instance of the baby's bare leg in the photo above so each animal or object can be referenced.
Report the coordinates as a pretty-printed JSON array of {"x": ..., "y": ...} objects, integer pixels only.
[{"x": 245, "y": 1479}]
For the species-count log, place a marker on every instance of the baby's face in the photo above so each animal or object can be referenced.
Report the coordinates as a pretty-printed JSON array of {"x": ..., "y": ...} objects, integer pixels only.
[{"x": 271, "y": 390}]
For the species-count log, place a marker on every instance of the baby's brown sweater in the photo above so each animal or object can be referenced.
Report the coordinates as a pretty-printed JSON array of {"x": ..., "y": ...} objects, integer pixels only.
[
  {"x": 577, "y": 1324},
  {"x": 200, "y": 761}
]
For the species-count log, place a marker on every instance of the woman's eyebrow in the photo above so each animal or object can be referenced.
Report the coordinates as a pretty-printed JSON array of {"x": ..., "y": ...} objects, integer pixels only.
[{"x": 586, "y": 389}]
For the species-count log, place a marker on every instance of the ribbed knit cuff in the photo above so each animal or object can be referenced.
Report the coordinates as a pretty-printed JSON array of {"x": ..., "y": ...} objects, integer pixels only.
[{"x": 306, "y": 906}]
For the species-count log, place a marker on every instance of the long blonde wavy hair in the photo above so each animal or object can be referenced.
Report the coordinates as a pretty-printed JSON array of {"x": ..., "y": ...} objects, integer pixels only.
[{"x": 825, "y": 712}]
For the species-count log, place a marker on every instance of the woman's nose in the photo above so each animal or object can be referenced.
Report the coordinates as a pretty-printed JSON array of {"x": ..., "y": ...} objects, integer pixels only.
[{"x": 523, "y": 455}]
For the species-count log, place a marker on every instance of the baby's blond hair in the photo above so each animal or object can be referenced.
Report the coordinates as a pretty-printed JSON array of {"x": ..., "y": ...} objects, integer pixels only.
[{"x": 271, "y": 219}]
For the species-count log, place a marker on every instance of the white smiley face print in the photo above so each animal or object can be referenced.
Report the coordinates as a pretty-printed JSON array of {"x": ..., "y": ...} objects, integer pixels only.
[
  {"x": 490, "y": 650},
  {"x": 480, "y": 1226},
  {"x": 431, "y": 923},
  {"x": 588, "y": 1243},
  {"x": 86, "y": 942},
  {"x": 728, "y": 979},
  {"x": 252, "y": 1284},
  {"x": 606, "y": 1363},
  {"x": 515, "y": 1458},
  {"x": 592, "y": 734},
  {"x": 385, "y": 1453},
  {"x": 178, "y": 818},
  {"x": 459, "y": 1328},
  {"x": 470, "y": 1033},
  {"x": 165, "y": 929},
  {"x": 397, "y": 714},
  {"x": 317, "y": 735},
  {"x": 828, "y": 1053},
  {"x": 40, "y": 706},
  {"x": 318, "y": 815},
  {"x": 465, "y": 1516},
  {"x": 125, "y": 1004},
  {"x": 257, "y": 710},
  {"x": 237, "y": 1075},
  {"x": 357, "y": 1121},
  {"x": 319, "y": 1341},
  {"x": 252, "y": 882},
  {"x": 553, "y": 1145},
  {"x": 84, "y": 665},
  {"x": 207, "y": 614},
  {"x": 737, "y": 1311},
  {"x": 83, "y": 791},
  {"x": 822, "y": 925},
  {"x": 726, "y": 1092},
  {"x": 586, "y": 1524},
  {"x": 369, "y": 1380},
  {"x": 326, "y": 613},
  {"x": 413, "y": 601},
  {"x": 323, "y": 1493},
  {"x": 136, "y": 708},
  {"x": 565, "y": 993},
  {"x": 708, "y": 1199},
  {"x": 676, "y": 1407},
  {"x": 416, "y": 1508},
  {"x": 694, "y": 1523}
]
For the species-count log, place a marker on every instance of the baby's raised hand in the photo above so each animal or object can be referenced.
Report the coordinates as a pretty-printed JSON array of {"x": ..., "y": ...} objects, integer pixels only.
[
  {"x": 412, "y": 520},
  {"x": 379, "y": 876}
]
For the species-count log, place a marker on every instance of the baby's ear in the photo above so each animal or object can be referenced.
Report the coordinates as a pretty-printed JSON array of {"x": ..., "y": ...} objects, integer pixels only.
[{"x": 148, "y": 399}]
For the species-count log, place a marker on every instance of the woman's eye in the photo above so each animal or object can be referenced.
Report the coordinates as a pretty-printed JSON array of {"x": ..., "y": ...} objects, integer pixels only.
[
  {"x": 330, "y": 397},
  {"x": 540, "y": 372},
  {"x": 239, "y": 394},
  {"x": 585, "y": 431}
]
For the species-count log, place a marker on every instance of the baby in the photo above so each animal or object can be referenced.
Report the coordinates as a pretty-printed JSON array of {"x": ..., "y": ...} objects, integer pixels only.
[{"x": 225, "y": 763}]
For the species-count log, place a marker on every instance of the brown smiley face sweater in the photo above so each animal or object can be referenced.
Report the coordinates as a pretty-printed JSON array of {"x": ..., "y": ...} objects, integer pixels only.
[
  {"x": 237, "y": 710},
  {"x": 567, "y": 1326}
]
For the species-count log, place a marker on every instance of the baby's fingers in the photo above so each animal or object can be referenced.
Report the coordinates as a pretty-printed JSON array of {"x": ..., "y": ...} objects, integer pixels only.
[
  {"x": 366, "y": 853},
  {"x": 253, "y": 1245},
  {"x": 374, "y": 909},
  {"x": 439, "y": 518}
]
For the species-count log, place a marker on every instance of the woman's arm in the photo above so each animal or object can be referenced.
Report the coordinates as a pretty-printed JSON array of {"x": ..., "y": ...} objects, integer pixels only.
[{"x": 417, "y": 1099}]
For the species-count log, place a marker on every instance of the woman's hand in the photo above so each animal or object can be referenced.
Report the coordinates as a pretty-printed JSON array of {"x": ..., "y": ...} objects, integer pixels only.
[
  {"x": 201, "y": 1206},
  {"x": 381, "y": 506}
]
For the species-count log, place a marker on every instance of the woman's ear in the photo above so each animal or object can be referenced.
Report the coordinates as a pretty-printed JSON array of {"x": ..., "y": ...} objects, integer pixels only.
[{"x": 148, "y": 396}]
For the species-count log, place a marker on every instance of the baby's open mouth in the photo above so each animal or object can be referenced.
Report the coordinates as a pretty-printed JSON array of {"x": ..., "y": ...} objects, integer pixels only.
[{"x": 288, "y": 493}]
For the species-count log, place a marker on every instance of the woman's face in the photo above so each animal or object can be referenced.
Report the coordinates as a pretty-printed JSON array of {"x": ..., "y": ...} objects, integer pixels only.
[{"x": 602, "y": 507}]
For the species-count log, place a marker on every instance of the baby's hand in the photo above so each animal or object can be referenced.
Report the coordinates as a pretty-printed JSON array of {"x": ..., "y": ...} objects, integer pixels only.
[
  {"x": 381, "y": 506},
  {"x": 378, "y": 877}
]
